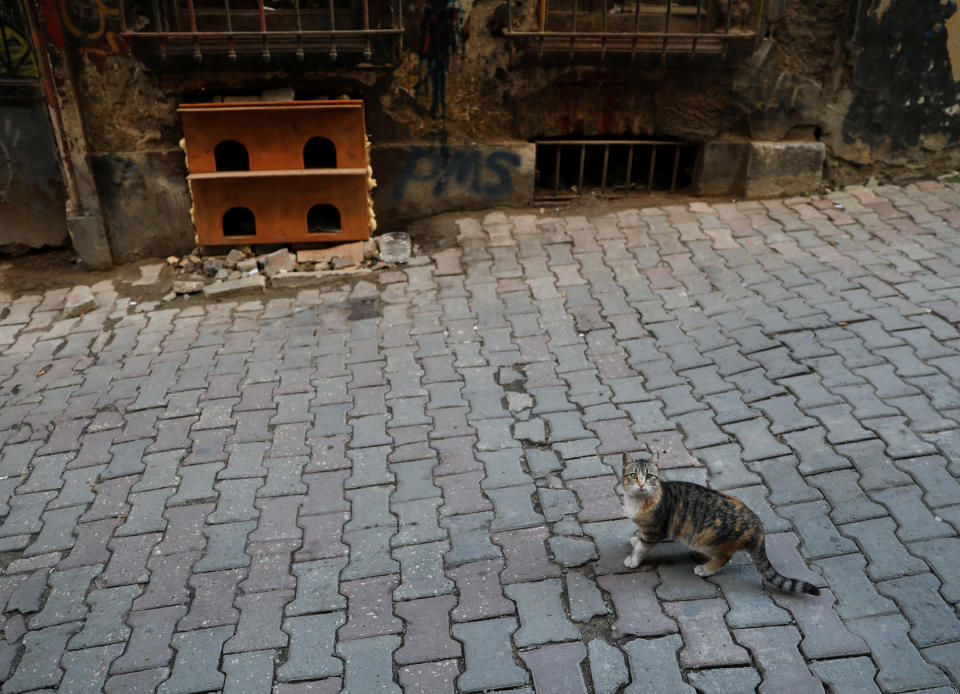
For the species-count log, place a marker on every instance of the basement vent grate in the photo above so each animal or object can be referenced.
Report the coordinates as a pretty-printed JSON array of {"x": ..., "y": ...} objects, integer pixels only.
[{"x": 570, "y": 168}]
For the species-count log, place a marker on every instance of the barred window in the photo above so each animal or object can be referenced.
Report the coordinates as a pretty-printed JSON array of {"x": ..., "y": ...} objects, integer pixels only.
[{"x": 348, "y": 32}]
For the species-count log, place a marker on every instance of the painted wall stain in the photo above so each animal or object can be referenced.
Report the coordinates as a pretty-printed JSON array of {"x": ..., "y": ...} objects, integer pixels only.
[
  {"x": 444, "y": 171},
  {"x": 441, "y": 34}
]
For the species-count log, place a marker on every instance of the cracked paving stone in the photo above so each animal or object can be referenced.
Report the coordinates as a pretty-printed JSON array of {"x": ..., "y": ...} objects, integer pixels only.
[
  {"x": 28, "y": 596},
  {"x": 421, "y": 570},
  {"x": 317, "y": 583},
  {"x": 557, "y": 668},
  {"x": 488, "y": 655},
  {"x": 128, "y": 562},
  {"x": 370, "y": 608},
  {"x": 369, "y": 553},
  {"x": 195, "y": 668},
  {"x": 514, "y": 508},
  {"x": 65, "y": 601},
  {"x": 149, "y": 644},
  {"x": 932, "y": 620},
  {"x": 572, "y": 551},
  {"x": 847, "y": 675},
  {"x": 947, "y": 657},
  {"x": 901, "y": 665},
  {"x": 368, "y": 665},
  {"x": 86, "y": 670},
  {"x": 310, "y": 655},
  {"x": 542, "y": 618},
  {"x": 775, "y": 651},
  {"x": 39, "y": 664},
  {"x": 429, "y": 678},
  {"x": 608, "y": 669},
  {"x": 585, "y": 599},
  {"x": 706, "y": 641},
  {"x": 427, "y": 633},
  {"x": 653, "y": 665},
  {"x": 105, "y": 624},
  {"x": 250, "y": 672},
  {"x": 635, "y": 604},
  {"x": 526, "y": 555},
  {"x": 322, "y": 536},
  {"x": 168, "y": 580},
  {"x": 261, "y": 615},
  {"x": 470, "y": 538}
]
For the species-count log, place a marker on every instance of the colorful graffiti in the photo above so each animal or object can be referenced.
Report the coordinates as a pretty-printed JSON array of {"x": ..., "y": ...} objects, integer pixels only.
[
  {"x": 441, "y": 33},
  {"x": 16, "y": 56},
  {"x": 92, "y": 23},
  {"x": 488, "y": 176}
]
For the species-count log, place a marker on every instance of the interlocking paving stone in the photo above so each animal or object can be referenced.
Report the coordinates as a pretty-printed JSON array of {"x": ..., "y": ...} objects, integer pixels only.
[
  {"x": 195, "y": 668},
  {"x": 876, "y": 470},
  {"x": 462, "y": 494},
  {"x": 887, "y": 557},
  {"x": 427, "y": 633},
  {"x": 317, "y": 583},
  {"x": 526, "y": 555},
  {"x": 312, "y": 640},
  {"x": 901, "y": 665},
  {"x": 932, "y": 620},
  {"x": 322, "y": 536},
  {"x": 637, "y": 609},
  {"x": 64, "y": 603},
  {"x": 488, "y": 655},
  {"x": 820, "y": 537},
  {"x": 725, "y": 680},
  {"x": 677, "y": 578},
  {"x": 557, "y": 667},
  {"x": 947, "y": 657},
  {"x": 105, "y": 624},
  {"x": 940, "y": 487},
  {"x": 168, "y": 580},
  {"x": 429, "y": 678},
  {"x": 481, "y": 595},
  {"x": 28, "y": 595},
  {"x": 847, "y": 675},
  {"x": 914, "y": 519},
  {"x": 38, "y": 667},
  {"x": 824, "y": 634},
  {"x": 128, "y": 561},
  {"x": 702, "y": 627},
  {"x": 847, "y": 499},
  {"x": 86, "y": 670},
  {"x": 653, "y": 665},
  {"x": 149, "y": 644},
  {"x": 370, "y": 608},
  {"x": 542, "y": 618},
  {"x": 250, "y": 672},
  {"x": 421, "y": 570},
  {"x": 225, "y": 545},
  {"x": 368, "y": 664},
  {"x": 750, "y": 606},
  {"x": 261, "y": 615},
  {"x": 775, "y": 651},
  {"x": 213, "y": 596},
  {"x": 856, "y": 595},
  {"x": 369, "y": 553},
  {"x": 572, "y": 551},
  {"x": 608, "y": 669},
  {"x": 940, "y": 554},
  {"x": 513, "y": 508}
]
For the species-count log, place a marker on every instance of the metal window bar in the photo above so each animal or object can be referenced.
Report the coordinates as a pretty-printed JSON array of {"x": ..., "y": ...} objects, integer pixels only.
[
  {"x": 594, "y": 28},
  {"x": 631, "y": 145},
  {"x": 263, "y": 34}
]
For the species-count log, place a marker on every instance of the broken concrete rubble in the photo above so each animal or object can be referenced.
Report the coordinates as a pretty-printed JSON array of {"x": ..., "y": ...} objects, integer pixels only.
[
  {"x": 80, "y": 300},
  {"x": 218, "y": 289},
  {"x": 278, "y": 262}
]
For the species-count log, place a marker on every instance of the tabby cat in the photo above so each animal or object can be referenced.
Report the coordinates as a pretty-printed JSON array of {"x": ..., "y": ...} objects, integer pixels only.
[{"x": 709, "y": 522}]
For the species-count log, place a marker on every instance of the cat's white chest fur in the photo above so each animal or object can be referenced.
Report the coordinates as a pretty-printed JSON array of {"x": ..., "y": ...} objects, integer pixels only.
[{"x": 632, "y": 505}]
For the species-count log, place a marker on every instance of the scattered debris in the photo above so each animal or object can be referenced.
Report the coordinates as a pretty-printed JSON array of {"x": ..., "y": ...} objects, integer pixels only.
[
  {"x": 395, "y": 248},
  {"x": 187, "y": 286},
  {"x": 211, "y": 266},
  {"x": 80, "y": 300},
  {"x": 218, "y": 289},
  {"x": 278, "y": 262},
  {"x": 353, "y": 251}
]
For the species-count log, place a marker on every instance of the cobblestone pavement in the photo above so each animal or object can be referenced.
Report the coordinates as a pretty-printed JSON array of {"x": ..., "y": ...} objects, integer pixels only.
[{"x": 408, "y": 483}]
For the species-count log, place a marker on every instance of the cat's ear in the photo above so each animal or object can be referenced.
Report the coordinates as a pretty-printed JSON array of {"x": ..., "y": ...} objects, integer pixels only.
[
  {"x": 653, "y": 465},
  {"x": 628, "y": 460}
]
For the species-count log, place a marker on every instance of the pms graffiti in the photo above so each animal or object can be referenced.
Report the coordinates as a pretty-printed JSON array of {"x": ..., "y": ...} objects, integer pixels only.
[
  {"x": 441, "y": 33},
  {"x": 448, "y": 171}
]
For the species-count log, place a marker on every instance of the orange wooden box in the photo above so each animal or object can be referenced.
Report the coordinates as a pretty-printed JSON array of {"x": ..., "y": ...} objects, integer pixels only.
[{"x": 267, "y": 172}]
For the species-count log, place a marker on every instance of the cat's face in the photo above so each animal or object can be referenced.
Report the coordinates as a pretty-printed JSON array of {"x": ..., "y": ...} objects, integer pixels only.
[{"x": 640, "y": 478}]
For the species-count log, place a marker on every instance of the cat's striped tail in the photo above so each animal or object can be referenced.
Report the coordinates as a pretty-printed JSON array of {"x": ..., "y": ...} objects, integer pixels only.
[{"x": 774, "y": 577}]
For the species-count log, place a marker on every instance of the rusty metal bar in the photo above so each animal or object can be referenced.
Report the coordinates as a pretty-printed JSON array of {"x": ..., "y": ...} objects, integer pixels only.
[
  {"x": 653, "y": 161},
  {"x": 556, "y": 174},
  {"x": 605, "y": 142},
  {"x": 246, "y": 34},
  {"x": 666, "y": 31},
  {"x": 265, "y": 53},
  {"x": 693, "y": 48},
  {"x": 629, "y": 165},
  {"x": 606, "y": 162},
  {"x": 729, "y": 7},
  {"x": 333, "y": 26},
  {"x": 603, "y": 27},
  {"x": 262, "y": 16},
  {"x": 573, "y": 34},
  {"x": 197, "y": 53},
  {"x": 676, "y": 166},
  {"x": 636, "y": 31},
  {"x": 300, "y": 54},
  {"x": 583, "y": 158},
  {"x": 542, "y": 14},
  {"x": 367, "y": 52}
]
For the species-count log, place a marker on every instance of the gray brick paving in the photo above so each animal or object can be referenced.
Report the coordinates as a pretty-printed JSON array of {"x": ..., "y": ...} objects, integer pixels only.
[{"x": 261, "y": 494}]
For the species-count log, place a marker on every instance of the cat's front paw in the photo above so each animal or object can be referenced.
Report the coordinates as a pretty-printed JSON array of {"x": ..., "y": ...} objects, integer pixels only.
[
  {"x": 631, "y": 562},
  {"x": 634, "y": 540},
  {"x": 702, "y": 571}
]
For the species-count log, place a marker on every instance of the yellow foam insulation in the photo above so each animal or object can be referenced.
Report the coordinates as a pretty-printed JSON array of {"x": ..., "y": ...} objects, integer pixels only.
[{"x": 371, "y": 184}]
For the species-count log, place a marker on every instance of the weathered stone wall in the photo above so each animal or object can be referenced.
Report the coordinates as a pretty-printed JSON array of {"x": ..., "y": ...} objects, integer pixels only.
[{"x": 875, "y": 81}]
